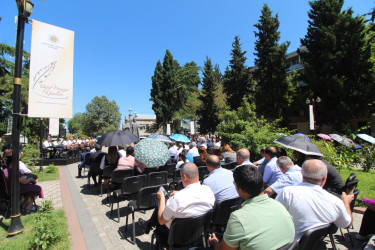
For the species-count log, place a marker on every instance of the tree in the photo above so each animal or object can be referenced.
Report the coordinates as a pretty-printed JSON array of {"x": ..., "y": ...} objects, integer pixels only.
[
  {"x": 208, "y": 111},
  {"x": 337, "y": 63},
  {"x": 75, "y": 124},
  {"x": 101, "y": 116},
  {"x": 237, "y": 81},
  {"x": 271, "y": 94},
  {"x": 220, "y": 97}
]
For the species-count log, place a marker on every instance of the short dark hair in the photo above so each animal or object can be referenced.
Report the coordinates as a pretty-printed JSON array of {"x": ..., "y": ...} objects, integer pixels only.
[
  {"x": 249, "y": 179},
  {"x": 98, "y": 147},
  {"x": 213, "y": 161},
  {"x": 129, "y": 150},
  {"x": 271, "y": 151}
]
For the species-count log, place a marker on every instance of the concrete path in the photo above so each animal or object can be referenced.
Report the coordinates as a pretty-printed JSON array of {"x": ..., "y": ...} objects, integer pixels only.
[{"x": 89, "y": 216}]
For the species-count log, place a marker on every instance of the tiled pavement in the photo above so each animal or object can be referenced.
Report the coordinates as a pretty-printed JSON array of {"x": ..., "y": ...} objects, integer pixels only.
[{"x": 102, "y": 231}]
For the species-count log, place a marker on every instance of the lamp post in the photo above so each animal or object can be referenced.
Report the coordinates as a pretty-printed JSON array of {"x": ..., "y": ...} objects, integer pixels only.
[
  {"x": 25, "y": 8},
  {"x": 311, "y": 111}
]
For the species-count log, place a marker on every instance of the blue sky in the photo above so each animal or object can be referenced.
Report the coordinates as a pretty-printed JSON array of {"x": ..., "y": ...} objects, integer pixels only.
[{"x": 117, "y": 43}]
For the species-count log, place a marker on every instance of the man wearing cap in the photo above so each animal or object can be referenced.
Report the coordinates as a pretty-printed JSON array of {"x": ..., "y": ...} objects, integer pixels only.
[{"x": 315, "y": 207}]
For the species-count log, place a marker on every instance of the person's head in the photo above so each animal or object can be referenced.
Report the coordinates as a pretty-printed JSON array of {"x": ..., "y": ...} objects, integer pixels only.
[
  {"x": 130, "y": 151},
  {"x": 299, "y": 156},
  {"x": 203, "y": 140},
  {"x": 203, "y": 153},
  {"x": 189, "y": 173},
  {"x": 243, "y": 155},
  {"x": 213, "y": 162},
  {"x": 227, "y": 148},
  {"x": 193, "y": 144},
  {"x": 121, "y": 147},
  {"x": 216, "y": 151},
  {"x": 179, "y": 145},
  {"x": 284, "y": 163},
  {"x": 315, "y": 172},
  {"x": 248, "y": 181},
  {"x": 48, "y": 138},
  {"x": 270, "y": 153},
  {"x": 281, "y": 152},
  {"x": 182, "y": 157},
  {"x": 262, "y": 151},
  {"x": 98, "y": 147}
]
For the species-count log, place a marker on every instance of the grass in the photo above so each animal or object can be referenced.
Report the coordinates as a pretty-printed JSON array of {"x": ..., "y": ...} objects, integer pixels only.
[
  {"x": 21, "y": 241},
  {"x": 46, "y": 176},
  {"x": 366, "y": 184}
]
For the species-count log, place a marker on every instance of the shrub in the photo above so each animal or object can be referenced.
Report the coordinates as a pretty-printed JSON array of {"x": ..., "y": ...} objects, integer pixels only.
[
  {"x": 51, "y": 169},
  {"x": 369, "y": 161},
  {"x": 31, "y": 155}
]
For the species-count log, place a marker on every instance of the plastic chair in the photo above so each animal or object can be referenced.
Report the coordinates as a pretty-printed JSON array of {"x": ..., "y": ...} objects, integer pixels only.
[
  {"x": 157, "y": 178},
  {"x": 170, "y": 168},
  {"x": 130, "y": 186},
  {"x": 356, "y": 192},
  {"x": 203, "y": 172},
  {"x": 230, "y": 166},
  {"x": 147, "y": 170},
  {"x": 184, "y": 232},
  {"x": 107, "y": 173},
  {"x": 222, "y": 212},
  {"x": 312, "y": 237},
  {"x": 146, "y": 199}
]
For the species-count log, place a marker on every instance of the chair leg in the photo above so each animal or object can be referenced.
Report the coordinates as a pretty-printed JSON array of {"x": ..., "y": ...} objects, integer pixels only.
[
  {"x": 342, "y": 235},
  {"x": 112, "y": 206},
  {"x": 133, "y": 227},
  {"x": 127, "y": 216},
  {"x": 332, "y": 242},
  {"x": 118, "y": 212},
  {"x": 350, "y": 237},
  {"x": 152, "y": 241}
]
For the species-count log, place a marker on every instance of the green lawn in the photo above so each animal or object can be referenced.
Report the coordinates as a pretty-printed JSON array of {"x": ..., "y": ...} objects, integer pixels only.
[
  {"x": 366, "y": 184},
  {"x": 21, "y": 241},
  {"x": 46, "y": 176}
]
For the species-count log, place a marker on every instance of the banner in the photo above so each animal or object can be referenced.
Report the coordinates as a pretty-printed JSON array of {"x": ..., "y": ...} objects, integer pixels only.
[
  {"x": 168, "y": 129},
  {"x": 192, "y": 128},
  {"x": 51, "y": 71},
  {"x": 311, "y": 112},
  {"x": 54, "y": 126}
]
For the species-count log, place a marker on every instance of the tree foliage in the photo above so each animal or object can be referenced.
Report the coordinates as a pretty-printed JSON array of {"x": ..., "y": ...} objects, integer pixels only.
[
  {"x": 209, "y": 110},
  {"x": 272, "y": 89},
  {"x": 237, "y": 80},
  {"x": 244, "y": 129},
  {"x": 337, "y": 63},
  {"x": 101, "y": 116},
  {"x": 75, "y": 124}
]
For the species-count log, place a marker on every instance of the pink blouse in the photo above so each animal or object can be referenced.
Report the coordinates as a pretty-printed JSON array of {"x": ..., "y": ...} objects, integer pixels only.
[{"x": 126, "y": 162}]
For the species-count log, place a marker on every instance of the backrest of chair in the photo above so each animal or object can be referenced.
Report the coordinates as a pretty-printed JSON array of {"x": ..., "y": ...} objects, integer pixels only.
[
  {"x": 171, "y": 168},
  {"x": 107, "y": 171},
  {"x": 203, "y": 171},
  {"x": 119, "y": 175},
  {"x": 223, "y": 210},
  {"x": 313, "y": 236},
  {"x": 356, "y": 192},
  {"x": 157, "y": 178},
  {"x": 3, "y": 184},
  {"x": 185, "y": 231},
  {"x": 95, "y": 165},
  {"x": 176, "y": 176},
  {"x": 230, "y": 165},
  {"x": 350, "y": 183},
  {"x": 147, "y": 198},
  {"x": 132, "y": 184},
  {"x": 148, "y": 170}
]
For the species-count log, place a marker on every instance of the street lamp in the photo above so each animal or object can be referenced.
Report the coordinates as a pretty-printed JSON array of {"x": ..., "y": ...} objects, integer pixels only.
[
  {"x": 25, "y": 8},
  {"x": 311, "y": 110}
]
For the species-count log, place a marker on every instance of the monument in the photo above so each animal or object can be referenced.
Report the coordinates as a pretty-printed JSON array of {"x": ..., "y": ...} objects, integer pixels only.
[{"x": 131, "y": 124}]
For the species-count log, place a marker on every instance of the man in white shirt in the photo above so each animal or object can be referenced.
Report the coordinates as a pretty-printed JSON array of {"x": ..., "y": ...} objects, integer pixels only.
[
  {"x": 172, "y": 149},
  {"x": 193, "y": 149},
  {"x": 310, "y": 205},
  {"x": 291, "y": 176},
  {"x": 46, "y": 144},
  {"x": 192, "y": 201},
  {"x": 179, "y": 150},
  {"x": 243, "y": 157}
]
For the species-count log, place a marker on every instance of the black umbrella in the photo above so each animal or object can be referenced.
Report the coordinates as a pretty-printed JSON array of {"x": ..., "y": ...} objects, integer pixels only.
[
  {"x": 117, "y": 138},
  {"x": 298, "y": 144}
]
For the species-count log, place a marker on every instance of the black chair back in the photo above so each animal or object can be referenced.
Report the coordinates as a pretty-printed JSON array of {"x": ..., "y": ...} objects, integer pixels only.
[
  {"x": 95, "y": 165},
  {"x": 169, "y": 167},
  {"x": 356, "y": 192},
  {"x": 186, "y": 231},
  {"x": 119, "y": 175},
  {"x": 132, "y": 184},
  {"x": 157, "y": 178},
  {"x": 203, "y": 172},
  {"x": 230, "y": 165},
  {"x": 148, "y": 170},
  {"x": 198, "y": 161},
  {"x": 107, "y": 171},
  {"x": 147, "y": 198},
  {"x": 314, "y": 236},
  {"x": 351, "y": 183},
  {"x": 176, "y": 176},
  {"x": 223, "y": 210}
]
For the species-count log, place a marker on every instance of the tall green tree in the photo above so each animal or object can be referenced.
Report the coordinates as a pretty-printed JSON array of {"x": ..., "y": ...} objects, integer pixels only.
[
  {"x": 75, "y": 124},
  {"x": 220, "y": 96},
  {"x": 101, "y": 116},
  {"x": 208, "y": 111},
  {"x": 337, "y": 63},
  {"x": 237, "y": 80},
  {"x": 271, "y": 94}
]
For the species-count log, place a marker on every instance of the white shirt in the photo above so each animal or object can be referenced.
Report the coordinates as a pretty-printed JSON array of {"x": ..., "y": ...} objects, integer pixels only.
[
  {"x": 192, "y": 201},
  {"x": 23, "y": 169},
  {"x": 311, "y": 206},
  {"x": 178, "y": 152},
  {"x": 122, "y": 152},
  {"x": 291, "y": 178},
  {"x": 179, "y": 163},
  {"x": 194, "y": 151},
  {"x": 46, "y": 144},
  {"x": 173, "y": 151}
]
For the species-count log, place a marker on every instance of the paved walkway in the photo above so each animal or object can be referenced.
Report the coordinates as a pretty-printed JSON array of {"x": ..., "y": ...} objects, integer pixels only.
[{"x": 89, "y": 215}]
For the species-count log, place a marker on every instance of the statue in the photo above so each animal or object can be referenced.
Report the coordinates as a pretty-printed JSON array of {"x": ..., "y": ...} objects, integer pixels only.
[
  {"x": 126, "y": 126},
  {"x": 134, "y": 127}
]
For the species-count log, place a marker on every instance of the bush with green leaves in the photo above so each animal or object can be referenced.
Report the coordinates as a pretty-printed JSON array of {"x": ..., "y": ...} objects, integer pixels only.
[
  {"x": 45, "y": 233},
  {"x": 243, "y": 129},
  {"x": 51, "y": 169},
  {"x": 31, "y": 154},
  {"x": 369, "y": 162}
]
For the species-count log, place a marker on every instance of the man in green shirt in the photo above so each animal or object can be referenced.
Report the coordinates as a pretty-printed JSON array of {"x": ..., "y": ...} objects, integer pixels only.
[{"x": 261, "y": 222}]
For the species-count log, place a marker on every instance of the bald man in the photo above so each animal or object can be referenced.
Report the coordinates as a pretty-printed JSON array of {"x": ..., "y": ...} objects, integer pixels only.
[{"x": 310, "y": 205}]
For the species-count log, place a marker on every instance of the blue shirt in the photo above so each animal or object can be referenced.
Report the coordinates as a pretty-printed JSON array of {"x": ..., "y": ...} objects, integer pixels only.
[
  {"x": 220, "y": 181},
  {"x": 189, "y": 157},
  {"x": 292, "y": 177},
  {"x": 271, "y": 172}
]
